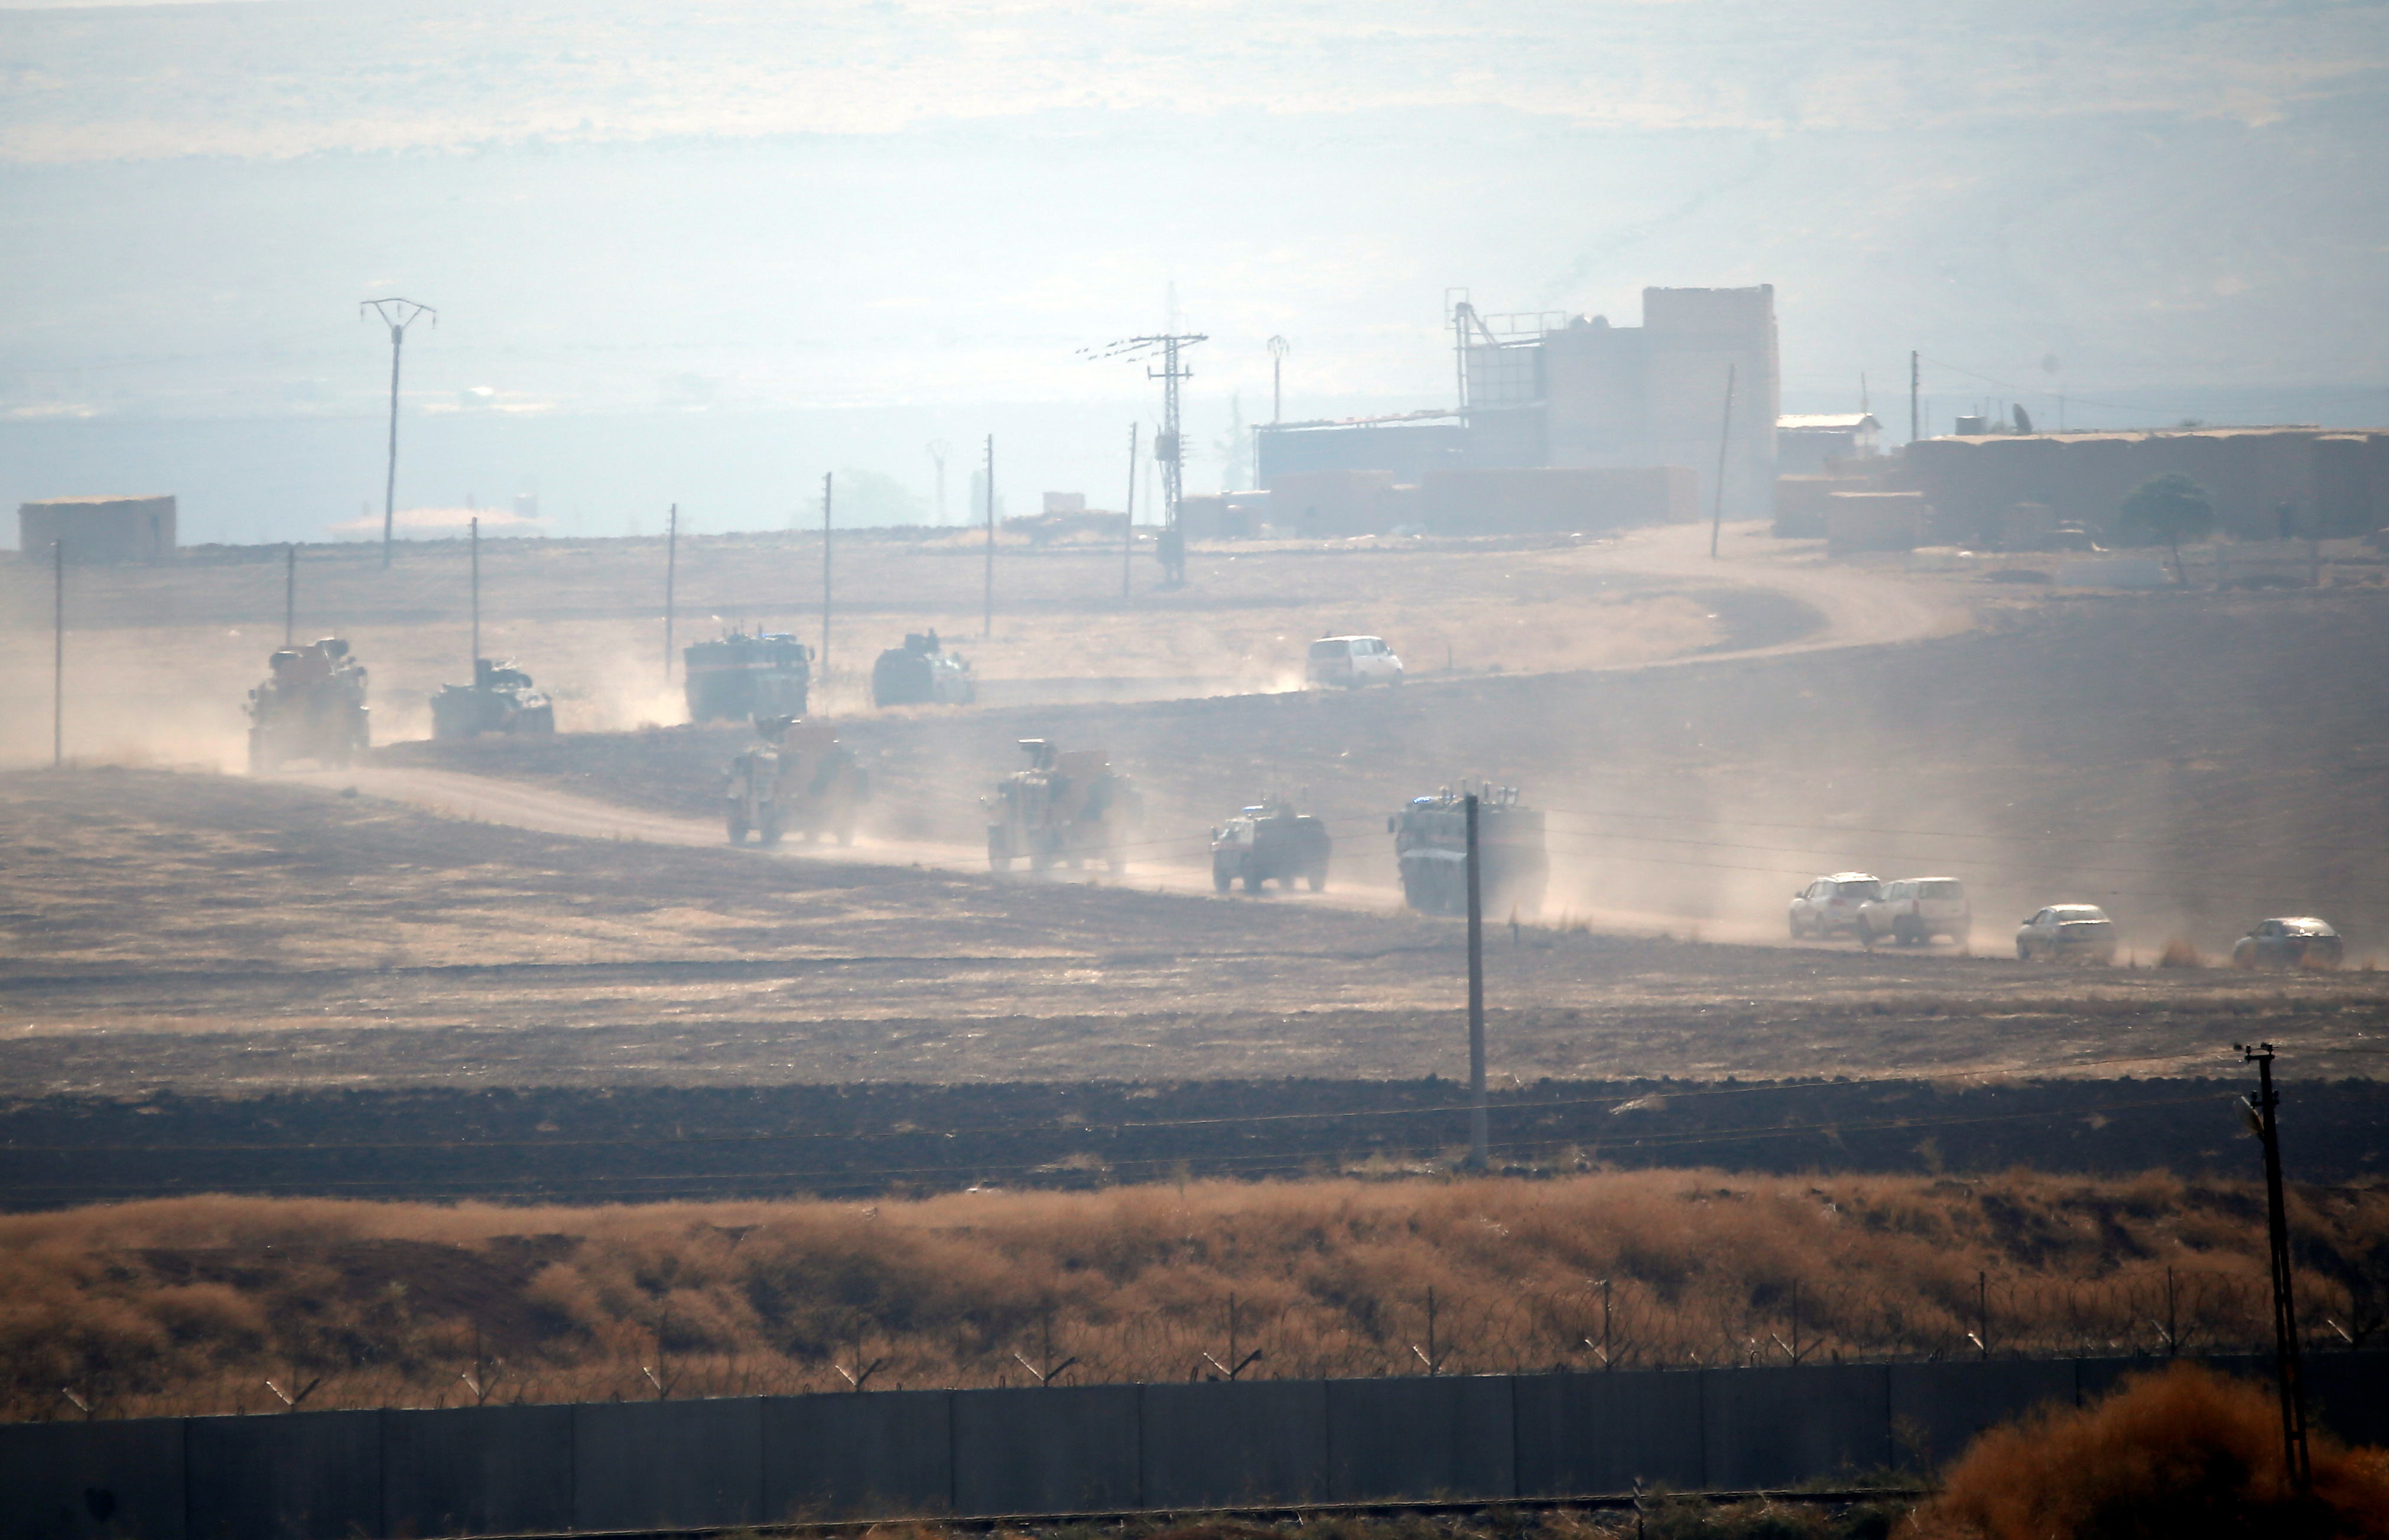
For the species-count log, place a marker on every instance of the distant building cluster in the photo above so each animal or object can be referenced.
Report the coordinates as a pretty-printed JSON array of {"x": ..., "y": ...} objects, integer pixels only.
[{"x": 1565, "y": 422}]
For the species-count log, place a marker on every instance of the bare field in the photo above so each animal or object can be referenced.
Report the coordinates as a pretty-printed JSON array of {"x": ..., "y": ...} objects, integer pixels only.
[
  {"x": 218, "y": 935},
  {"x": 161, "y": 658}
]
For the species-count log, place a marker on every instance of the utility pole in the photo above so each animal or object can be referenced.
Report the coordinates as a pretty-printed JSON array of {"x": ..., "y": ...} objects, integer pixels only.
[
  {"x": 1477, "y": 1153},
  {"x": 476, "y": 537},
  {"x": 2261, "y": 1107},
  {"x": 397, "y": 314},
  {"x": 1914, "y": 376},
  {"x": 1725, "y": 435},
  {"x": 58, "y": 652},
  {"x": 1128, "y": 523},
  {"x": 671, "y": 571},
  {"x": 825, "y": 654},
  {"x": 1278, "y": 347},
  {"x": 987, "y": 628},
  {"x": 1167, "y": 444},
  {"x": 938, "y": 450},
  {"x": 289, "y": 593}
]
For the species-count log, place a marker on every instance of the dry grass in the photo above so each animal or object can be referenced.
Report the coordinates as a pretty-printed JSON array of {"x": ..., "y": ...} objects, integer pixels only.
[
  {"x": 2186, "y": 1453},
  {"x": 194, "y": 1305}
]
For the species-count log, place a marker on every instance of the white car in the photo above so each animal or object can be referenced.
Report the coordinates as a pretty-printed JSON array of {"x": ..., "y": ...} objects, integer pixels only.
[
  {"x": 1915, "y": 909},
  {"x": 2068, "y": 930},
  {"x": 1832, "y": 904},
  {"x": 1352, "y": 661}
]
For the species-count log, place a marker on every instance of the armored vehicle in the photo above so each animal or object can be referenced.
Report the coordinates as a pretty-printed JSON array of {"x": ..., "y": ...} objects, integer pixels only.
[
  {"x": 1266, "y": 842},
  {"x": 922, "y": 672},
  {"x": 311, "y": 706},
  {"x": 767, "y": 674},
  {"x": 799, "y": 779},
  {"x": 1431, "y": 845},
  {"x": 1067, "y": 808},
  {"x": 500, "y": 699}
]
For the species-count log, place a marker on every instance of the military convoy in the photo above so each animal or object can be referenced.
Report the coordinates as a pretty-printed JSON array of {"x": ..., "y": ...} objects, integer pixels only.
[
  {"x": 1271, "y": 842},
  {"x": 1431, "y": 848},
  {"x": 797, "y": 779},
  {"x": 500, "y": 699},
  {"x": 922, "y": 672},
  {"x": 1065, "y": 810},
  {"x": 765, "y": 674},
  {"x": 311, "y": 706}
]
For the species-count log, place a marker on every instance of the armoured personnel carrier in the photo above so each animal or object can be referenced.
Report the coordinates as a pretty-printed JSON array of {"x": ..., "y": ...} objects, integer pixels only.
[
  {"x": 311, "y": 706},
  {"x": 766, "y": 674},
  {"x": 500, "y": 699},
  {"x": 1431, "y": 846},
  {"x": 1069, "y": 809},
  {"x": 1272, "y": 841},
  {"x": 922, "y": 672},
  {"x": 797, "y": 779}
]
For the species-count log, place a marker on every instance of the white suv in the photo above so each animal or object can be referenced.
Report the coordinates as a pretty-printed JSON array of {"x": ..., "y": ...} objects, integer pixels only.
[
  {"x": 1352, "y": 661},
  {"x": 1915, "y": 909},
  {"x": 1832, "y": 904}
]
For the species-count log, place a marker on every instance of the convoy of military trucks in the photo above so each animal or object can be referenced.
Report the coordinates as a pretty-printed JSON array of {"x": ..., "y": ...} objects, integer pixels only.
[{"x": 1064, "y": 809}]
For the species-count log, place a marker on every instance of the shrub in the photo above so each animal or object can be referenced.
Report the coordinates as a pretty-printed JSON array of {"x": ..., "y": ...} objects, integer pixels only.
[{"x": 2186, "y": 1453}]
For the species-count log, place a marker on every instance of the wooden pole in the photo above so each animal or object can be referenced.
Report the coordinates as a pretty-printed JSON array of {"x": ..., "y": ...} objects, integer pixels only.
[
  {"x": 986, "y": 629},
  {"x": 289, "y": 593},
  {"x": 671, "y": 571},
  {"x": 1725, "y": 433},
  {"x": 58, "y": 652},
  {"x": 1478, "y": 1153},
  {"x": 477, "y": 599},
  {"x": 824, "y": 650},
  {"x": 1128, "y": 541}
]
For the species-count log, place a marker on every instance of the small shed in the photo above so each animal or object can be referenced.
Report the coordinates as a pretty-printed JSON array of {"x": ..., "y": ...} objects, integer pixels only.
[{"x": 97, "y": 529}]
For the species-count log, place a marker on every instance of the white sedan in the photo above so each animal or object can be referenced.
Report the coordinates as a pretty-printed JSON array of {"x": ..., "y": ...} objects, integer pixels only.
[{"x": 2068, "y": 930}]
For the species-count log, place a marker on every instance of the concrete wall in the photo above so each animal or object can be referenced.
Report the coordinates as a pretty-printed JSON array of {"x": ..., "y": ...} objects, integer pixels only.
[
  {"x": 1540, "y": 500},
  {"x": 1334, "y": 505},
  {"x": 731, "y": 1462}
]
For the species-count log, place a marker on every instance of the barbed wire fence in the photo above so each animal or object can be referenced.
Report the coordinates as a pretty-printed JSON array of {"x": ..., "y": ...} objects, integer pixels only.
[{"x": 1600, "y": 1325}]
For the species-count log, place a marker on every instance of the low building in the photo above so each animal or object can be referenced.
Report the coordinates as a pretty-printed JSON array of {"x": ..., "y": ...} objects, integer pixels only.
[
  {"x": 2267, "y": 482},
  {"x": 1804, "y": 441},
  {"x": 100, "y": 530},
  {"x": 1875, "y": 521}
]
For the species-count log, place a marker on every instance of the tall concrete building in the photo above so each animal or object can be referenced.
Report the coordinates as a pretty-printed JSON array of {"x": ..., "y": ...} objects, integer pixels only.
[{"x": 1575, "y": 392}]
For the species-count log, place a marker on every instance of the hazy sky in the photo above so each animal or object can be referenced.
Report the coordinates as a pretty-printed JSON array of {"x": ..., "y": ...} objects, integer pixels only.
[{"x": 727, "y": 207}]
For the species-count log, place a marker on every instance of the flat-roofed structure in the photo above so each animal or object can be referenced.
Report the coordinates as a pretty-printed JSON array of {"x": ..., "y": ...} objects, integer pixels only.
[
  {"x": 100, "y": 530},
  {"x": 2267, "y": 483}
]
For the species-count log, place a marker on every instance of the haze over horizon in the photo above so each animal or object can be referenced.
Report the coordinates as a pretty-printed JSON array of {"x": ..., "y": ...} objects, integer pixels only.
[{"x": 782, "y": 244}]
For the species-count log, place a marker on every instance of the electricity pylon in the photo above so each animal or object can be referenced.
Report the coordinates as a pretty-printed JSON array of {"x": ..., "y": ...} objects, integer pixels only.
[{"x": 1166, "y": 443}]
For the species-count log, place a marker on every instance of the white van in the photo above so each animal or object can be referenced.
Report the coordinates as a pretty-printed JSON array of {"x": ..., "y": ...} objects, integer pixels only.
[
  {"x": 1352, "y": 661},
  {"x": 1915, "y": 909}
]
